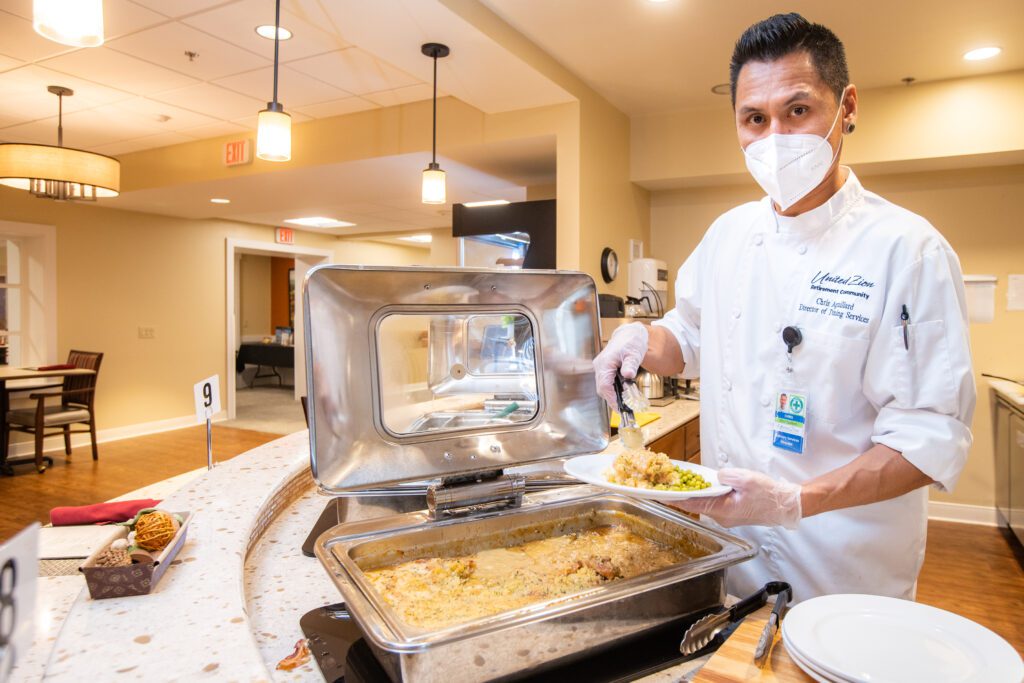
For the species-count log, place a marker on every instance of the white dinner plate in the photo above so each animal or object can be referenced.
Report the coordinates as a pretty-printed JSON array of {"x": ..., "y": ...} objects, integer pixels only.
[
  {"x": 592, "y": 468},
  {"x": 811, "y": 670},
  {"x": 875, "y": 639}
]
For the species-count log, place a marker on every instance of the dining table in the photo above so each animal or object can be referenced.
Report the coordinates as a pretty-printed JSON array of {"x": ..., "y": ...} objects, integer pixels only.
[{"x": 10, "y": 374}]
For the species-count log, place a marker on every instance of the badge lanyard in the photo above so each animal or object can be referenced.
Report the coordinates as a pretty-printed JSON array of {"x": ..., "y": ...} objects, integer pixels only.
[{"x": 789, "y": 424}]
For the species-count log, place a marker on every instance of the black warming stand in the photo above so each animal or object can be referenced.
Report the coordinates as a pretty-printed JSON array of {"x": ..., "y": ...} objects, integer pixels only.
[{"x": 342, "y": 654}]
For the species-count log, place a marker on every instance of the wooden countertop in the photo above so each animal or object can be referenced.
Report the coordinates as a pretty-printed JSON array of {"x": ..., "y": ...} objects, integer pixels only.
[{"x": 734, "y": 661}]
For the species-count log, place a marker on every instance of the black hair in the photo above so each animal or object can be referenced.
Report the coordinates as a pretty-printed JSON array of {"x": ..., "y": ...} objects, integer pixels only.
[{"x": 783, "y": 34}]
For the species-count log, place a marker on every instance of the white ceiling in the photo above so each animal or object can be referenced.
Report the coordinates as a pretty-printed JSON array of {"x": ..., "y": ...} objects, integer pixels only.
[
  {"x": 140, "y": 90},
  {"x": 647, "y": 57},
  {"x": 379, "y": 195}
]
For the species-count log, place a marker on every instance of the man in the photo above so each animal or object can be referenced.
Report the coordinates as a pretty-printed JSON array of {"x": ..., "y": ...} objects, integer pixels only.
[{"x": 850, "y": 305}]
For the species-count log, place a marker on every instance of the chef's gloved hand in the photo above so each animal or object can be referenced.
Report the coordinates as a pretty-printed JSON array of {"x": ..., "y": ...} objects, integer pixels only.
[
  {"x": 626, "y": 350},
  {"x": 756, "y": 499}
]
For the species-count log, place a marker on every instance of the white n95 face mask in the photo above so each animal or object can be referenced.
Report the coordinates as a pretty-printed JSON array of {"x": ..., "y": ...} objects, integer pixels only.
[{"x": 789, "y": 166}]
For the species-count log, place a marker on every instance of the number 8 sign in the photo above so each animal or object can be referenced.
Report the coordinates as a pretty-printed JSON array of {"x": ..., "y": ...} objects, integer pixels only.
[{"x": 18, "y": 569}]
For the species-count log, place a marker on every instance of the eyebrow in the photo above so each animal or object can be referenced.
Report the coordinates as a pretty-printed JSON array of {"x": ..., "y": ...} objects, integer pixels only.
[{"x": 798, "y": 95}]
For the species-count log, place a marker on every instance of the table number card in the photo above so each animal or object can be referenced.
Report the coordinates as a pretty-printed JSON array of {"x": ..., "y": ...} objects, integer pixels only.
[
  {"x": 207, "y": 397},
  {"x": 19, "y": 567}
]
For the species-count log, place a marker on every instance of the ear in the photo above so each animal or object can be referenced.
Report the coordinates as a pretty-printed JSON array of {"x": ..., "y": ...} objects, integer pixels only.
[{"x": 849, "y": 104}]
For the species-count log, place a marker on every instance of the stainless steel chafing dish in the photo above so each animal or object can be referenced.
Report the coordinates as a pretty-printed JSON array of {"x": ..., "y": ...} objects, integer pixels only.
[{"x": 456, "y": 386}]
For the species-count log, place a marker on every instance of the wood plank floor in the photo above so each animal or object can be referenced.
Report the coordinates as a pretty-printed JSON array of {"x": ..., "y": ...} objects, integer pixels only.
[
  {"x": 123, "y": 466},
  {"x": 970, "y": 570}
]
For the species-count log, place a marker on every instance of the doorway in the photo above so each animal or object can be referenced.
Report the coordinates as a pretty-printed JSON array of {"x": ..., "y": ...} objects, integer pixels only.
[{"x": 304, "y": 259}]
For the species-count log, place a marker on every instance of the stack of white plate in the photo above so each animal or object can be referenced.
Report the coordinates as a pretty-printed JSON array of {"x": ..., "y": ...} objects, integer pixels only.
[{"x": 873, "y": 639}]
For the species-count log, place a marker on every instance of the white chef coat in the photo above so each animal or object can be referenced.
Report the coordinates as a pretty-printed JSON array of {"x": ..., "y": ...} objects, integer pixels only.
[{"x": 841, "y": 273}]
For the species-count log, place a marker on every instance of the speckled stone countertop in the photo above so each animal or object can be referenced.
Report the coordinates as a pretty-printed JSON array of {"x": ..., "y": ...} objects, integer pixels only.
[
  {"x": 1012, "y": 392},
  {"x": 228, "y": 608}
]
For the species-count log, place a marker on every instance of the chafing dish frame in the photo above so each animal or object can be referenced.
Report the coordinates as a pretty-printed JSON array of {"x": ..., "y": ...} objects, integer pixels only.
[{"x": 623, "y": 607}]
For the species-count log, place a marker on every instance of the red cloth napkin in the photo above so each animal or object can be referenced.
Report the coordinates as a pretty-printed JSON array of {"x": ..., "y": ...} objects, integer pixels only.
[
  {"x": 59, "y": 366},
  {"x": 100, "y": 512}
]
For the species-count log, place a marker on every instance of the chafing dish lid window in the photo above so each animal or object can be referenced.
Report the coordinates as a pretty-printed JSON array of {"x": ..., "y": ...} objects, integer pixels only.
[
  {"x": 419, "y": 373},
  {"x": 456, "y": 372}
]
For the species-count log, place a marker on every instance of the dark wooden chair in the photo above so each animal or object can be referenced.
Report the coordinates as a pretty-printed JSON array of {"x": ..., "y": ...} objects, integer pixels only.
[{"x": 76, "y": 398}]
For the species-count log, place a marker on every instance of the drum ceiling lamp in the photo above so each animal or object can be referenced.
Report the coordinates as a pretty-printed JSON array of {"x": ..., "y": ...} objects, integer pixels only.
[
  {"x": 274, "y": 127},
  {"x": 78, "y": 23},
  {"x": 59, "y": 172},
  {"x": 433, "y": 177}
]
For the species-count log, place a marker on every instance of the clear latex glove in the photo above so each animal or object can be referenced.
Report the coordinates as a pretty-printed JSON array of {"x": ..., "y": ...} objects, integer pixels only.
[
  {"x": 623, "y": 353},
  {"x": 756, "y": 499}
]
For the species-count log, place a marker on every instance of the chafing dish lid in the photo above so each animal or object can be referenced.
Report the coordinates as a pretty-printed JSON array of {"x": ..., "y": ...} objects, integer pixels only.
[{"x": 419, "y": 373}]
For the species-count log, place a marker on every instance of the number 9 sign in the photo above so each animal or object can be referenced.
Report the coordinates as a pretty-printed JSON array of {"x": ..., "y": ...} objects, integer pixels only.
[{"x": 207, "y": 398}]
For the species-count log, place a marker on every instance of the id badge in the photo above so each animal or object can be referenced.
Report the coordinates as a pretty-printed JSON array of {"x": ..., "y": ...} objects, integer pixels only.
[{"x": 790, "y": 424}]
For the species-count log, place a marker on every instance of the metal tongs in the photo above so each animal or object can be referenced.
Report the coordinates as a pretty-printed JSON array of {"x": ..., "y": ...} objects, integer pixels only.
[
  {"x": 628, "y": 399},
  {"x": 707, "y": 634}
]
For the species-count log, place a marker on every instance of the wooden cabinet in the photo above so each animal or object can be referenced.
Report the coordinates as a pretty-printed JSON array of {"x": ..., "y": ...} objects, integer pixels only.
[{"x": 682, "y": 443}]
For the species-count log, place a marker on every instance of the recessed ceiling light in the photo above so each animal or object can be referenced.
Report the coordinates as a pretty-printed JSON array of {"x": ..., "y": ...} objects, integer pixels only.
[
  {"x": 267, "y": 31},
  {"x": 319, "y": 222},
  {"x": 220, "y": 200},
  {"x": 489, "y": 202},
  {"x": 982, "y": 53},
  {"x": 721, "y": 89},
  {"x": 421, "y": 239}
]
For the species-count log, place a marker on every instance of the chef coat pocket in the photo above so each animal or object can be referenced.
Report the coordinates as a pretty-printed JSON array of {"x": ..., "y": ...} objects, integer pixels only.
[
  {"x": 833, "y": 366},
  {"x": 924, "y": 375}
]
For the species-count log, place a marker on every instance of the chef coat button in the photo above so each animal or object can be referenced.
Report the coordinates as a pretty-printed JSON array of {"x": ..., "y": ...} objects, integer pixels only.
[
  {"x": 736, "y": 314},
  {"x": 758, "y": 239},
  {"x": 802, "y": 249},
  {"x": 765, "y": 401},
  {"x": 727, "y": 384},
  {"x": 723, "y": 458}
]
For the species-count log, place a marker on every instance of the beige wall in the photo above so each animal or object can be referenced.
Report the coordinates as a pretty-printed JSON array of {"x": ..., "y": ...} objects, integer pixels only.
[
  {"x": 254, "y": 295},
  {"x": 118, "y": 270},
  {"x": 899, "y": 129},
  {"x": 368, "y": 253},
  {"x": 978, "y": 210}
]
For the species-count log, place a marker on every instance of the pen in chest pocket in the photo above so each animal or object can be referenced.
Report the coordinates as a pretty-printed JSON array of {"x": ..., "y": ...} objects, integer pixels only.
[{"x": 905, "y": 318}]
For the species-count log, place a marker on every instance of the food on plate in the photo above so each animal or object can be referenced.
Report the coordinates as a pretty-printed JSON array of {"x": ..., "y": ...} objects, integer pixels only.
[
  {"x": 435, "y": 592},
  {"x": 644, "y": 469}
]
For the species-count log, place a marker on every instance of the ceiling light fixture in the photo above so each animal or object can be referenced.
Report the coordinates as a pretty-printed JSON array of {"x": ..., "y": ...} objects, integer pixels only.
[
  {"x": 220, "y": 200},
  {"x": 78, "y": 23},
  {"x": 433, "y": 177},
  {"x": 489, "y": 202},
  {"x": 59, "y": 172},
  {"x": 982, "y": 53},
  {"x": 419, "y": 239},
  {"x": 267, "y": 31},
  {"x": 721, "y": 88},
  {"x": 274, "y": 127},
  {"x": 319, "y": 222}
]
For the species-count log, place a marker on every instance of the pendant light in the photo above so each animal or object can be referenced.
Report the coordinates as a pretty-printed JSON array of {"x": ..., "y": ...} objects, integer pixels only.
[
  {"x": 433, "y": 177},
  {"x": 78, "y": 23},
  {"x": 274, "y": 127},
  {"x": 59, "y": 172}
]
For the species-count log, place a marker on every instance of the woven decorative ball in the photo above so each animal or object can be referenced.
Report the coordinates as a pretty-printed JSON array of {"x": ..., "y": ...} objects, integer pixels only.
[{"x": 154, "y": 530}]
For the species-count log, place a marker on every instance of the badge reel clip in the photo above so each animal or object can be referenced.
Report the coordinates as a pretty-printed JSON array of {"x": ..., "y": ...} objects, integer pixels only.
[{"x": 792, "y": 338}]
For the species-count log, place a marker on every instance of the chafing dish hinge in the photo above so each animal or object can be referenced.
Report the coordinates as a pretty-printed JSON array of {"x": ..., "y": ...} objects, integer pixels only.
[{"x": 457, "y": 497}]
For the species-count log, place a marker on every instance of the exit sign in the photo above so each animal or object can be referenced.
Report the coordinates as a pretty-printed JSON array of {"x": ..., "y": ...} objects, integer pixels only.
[
  {"x": 284, "y": 236},
  {"x": 238, "y": 152}
]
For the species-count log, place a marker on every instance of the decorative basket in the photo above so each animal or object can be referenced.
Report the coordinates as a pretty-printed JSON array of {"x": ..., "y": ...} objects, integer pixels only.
[{"x": 135, "y": 579}]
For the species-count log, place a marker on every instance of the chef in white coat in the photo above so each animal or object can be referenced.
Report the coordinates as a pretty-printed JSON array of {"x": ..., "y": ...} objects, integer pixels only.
[{"x": 828, "y": 329}]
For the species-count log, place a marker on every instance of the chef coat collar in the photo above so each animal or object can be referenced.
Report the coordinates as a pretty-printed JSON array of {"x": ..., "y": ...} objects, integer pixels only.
[{"x": 821, "y": 217}]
